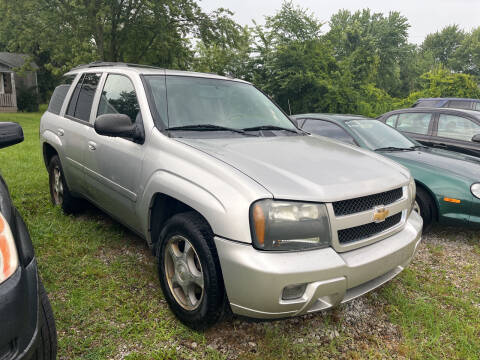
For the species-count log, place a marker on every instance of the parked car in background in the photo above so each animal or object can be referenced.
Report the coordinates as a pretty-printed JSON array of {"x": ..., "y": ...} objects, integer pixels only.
[
  {"x": 208, "y": 176},
  {"x": 449, "y": 129},
  {"x": 456, "y": 103},
  {"x": 27, "y": 327},
  {"x": 448, "y": 183}
]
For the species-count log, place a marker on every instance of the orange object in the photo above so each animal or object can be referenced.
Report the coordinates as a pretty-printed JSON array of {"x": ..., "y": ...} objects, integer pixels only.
[
  {"x": 455, "y": 201},
  {"x": 259, "y": 221}
]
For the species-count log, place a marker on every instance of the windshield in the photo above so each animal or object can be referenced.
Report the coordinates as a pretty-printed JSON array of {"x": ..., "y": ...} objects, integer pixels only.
[
  {"x": 193, "y": 102},
  {"x": 376, "y": 135}
]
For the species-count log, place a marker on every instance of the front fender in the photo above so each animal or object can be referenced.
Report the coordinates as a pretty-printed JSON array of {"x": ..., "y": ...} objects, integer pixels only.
[{"x": 226, "y": 221}]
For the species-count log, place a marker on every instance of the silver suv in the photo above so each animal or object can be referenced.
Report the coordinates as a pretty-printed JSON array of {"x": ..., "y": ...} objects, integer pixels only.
[{"x": 243, "y": 210}]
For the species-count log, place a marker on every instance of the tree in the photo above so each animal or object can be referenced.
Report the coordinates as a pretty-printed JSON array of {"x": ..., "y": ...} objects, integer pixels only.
[
  {"x": 443, "y": 44},
  {"x": 75, "y": 31},
  {"x": 232, "y": 59},
  {"x": 467, "y": 56},
  {"x": 372, "y": 44},
  {"x": 441, "y": 82}
]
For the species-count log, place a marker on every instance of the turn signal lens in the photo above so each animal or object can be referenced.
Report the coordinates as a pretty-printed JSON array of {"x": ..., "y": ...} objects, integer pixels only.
[
  {"x": 8, "y": 251},
  {"x": 450, "y": 200},
  {"x": 259, "y": 222}
]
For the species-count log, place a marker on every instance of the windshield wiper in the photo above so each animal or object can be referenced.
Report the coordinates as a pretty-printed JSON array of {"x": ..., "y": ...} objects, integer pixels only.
[
  {"x": 392, "y": 148},
  {"x": 415, "y": 147},
  {"x": 207, "y": 127},
  {"x": 268, "y": 127}
]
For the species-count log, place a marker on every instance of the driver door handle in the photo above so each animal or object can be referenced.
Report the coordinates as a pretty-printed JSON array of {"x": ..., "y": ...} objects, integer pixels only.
[{"x": 92, "y": 146}]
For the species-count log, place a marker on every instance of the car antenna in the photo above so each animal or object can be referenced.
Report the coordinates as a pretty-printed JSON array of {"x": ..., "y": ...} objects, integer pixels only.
[{"x": 289, "y": 108}]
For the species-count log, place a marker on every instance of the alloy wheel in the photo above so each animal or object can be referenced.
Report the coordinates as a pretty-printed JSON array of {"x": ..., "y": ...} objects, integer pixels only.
[
  {"x": 184, "y": 272},
  {"x": 57, "y": 186}
]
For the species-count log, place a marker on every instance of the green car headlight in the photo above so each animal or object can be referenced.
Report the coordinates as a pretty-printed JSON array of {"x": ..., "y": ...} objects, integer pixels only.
[
  {"x": 476, "y": 190},
  {"x": 289, "y": 226}
]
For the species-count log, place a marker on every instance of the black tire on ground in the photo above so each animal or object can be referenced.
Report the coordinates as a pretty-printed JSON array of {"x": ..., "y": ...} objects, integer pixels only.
[
  {"x": 65, "y": 200},
  {"x": 427, "y": 208},
  {"x": 47, "y": 341},
  {"x": 212, "y": 305}
]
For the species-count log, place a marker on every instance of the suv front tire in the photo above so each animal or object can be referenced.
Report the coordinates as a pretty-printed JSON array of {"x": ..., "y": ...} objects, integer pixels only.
[{"x": 189, "y": 271}]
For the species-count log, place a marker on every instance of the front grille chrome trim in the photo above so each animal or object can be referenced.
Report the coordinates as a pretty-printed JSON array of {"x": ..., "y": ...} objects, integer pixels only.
[{"x": 349, "y": 221}]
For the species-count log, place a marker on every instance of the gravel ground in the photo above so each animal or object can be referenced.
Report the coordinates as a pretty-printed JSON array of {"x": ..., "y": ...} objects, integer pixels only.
[{"x": 362, "y": 326}]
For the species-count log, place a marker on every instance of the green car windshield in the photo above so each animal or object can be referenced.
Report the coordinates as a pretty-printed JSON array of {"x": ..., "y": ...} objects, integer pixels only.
[{"x": 376, "y": 135}]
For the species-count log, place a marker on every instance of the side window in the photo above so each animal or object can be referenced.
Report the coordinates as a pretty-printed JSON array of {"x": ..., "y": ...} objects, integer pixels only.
[
  {"x": 456, "y": 127},
  {"x": 81, "y": 102},
  {"x": 328, "y": 129},
  {"x": 417, "y": 123},
  {"x": 460, "y": 104},
  {"x": 119, "y": 97},
  {"x": 391, "y": 120},
  {"x": 59, "y": 94},
  {"x": 476, "y": 106}
]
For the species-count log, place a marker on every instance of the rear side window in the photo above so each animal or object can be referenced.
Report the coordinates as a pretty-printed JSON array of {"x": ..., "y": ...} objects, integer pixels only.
[
  {"x": 119, "y": 97},
  {"x": 426, "y": 103},
  {"x": 417, "y": 123},
  {"x": 327, "y": 129},
  {"x": 460, "y": 104},
  {"x": 476, "y": 106},
  {"x": 59, "y": 94},
  {"x": 391, "y": 120},
  {"x": 81, "y": 102},
  {"x": 456, "y": 127}
]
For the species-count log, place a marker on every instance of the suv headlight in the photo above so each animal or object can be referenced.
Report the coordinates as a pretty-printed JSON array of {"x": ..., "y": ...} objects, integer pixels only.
[
  {"x": 8, "y": 251},
  {"x": 412, "y": 192},
  {"x": 476, "y": 190},
  {"x": 289, "y": 226}
]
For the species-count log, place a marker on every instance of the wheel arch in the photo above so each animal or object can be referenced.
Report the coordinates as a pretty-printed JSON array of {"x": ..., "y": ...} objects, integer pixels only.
[
  {"x": 48, "y": 152},
  {"x": 163, "y": 207},
  {"x": 429, "y": 192}
]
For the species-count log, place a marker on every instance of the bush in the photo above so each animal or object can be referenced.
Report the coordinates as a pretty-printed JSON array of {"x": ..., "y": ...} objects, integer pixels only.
[{"x": 27, "y": 100}]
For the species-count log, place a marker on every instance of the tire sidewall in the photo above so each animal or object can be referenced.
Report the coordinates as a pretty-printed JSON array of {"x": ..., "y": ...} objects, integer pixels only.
[
  {"x": 426, "y": 210},
  {"x": 205, "y": 314},
  {"x": 54, "y": 162}
]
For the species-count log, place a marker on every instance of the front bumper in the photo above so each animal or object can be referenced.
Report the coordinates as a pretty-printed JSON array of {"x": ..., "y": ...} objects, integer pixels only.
[{"x": 254, "y": 280}]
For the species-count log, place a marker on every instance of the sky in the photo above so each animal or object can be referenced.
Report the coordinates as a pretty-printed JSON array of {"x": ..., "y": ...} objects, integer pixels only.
[{"x": 424, "y": 16}]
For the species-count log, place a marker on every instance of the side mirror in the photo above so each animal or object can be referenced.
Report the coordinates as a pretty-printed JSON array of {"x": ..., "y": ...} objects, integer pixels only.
[
  {"x": 117, "y": 125},
  {"x": 476, "y": 138},
  {"x": 10, "y": 134}
]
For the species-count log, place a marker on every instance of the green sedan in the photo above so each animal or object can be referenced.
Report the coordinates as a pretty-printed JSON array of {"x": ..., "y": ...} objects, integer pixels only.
[{"x": 448, "y": 183}]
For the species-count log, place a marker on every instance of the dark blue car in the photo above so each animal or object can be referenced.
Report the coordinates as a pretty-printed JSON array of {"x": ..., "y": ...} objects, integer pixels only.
[{"x": 456, "y": 103}]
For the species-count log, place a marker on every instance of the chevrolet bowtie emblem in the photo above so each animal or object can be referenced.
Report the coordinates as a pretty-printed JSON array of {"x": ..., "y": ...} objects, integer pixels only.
[{"x": 380, "y": 214}]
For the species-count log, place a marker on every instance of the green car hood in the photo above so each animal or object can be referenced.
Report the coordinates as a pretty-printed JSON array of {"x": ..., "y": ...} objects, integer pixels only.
[{"x": 445, "y": 161}]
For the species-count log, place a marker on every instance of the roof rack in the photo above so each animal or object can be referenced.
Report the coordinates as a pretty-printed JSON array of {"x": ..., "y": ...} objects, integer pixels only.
[{"x": 107, "y": 63}]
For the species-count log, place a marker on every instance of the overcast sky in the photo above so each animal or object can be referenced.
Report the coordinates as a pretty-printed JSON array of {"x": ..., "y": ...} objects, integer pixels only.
[{"x": 424, "y": 16}]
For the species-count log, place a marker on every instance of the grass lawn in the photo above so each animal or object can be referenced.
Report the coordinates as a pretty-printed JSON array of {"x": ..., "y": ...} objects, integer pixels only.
[{"x": 108, "y": 303}]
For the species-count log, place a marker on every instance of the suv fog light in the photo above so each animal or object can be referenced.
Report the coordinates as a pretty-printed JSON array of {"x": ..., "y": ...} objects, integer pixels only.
[{"x": 292, "y": 292}]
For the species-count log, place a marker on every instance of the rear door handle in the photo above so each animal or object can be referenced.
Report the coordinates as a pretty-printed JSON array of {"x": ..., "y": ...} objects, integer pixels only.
[
  {"x": 91, "y": 145},
  {"x": 60, "y": 132}
]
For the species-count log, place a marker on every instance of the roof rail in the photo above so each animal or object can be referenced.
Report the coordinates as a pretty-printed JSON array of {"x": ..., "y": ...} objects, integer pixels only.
[{"x": 108, "y": 63}]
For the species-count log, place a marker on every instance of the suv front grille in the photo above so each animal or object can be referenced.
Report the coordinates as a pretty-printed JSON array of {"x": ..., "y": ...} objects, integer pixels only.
[
  {"x": 352, "y": 206},
  {"x": 365, "y": 231}
]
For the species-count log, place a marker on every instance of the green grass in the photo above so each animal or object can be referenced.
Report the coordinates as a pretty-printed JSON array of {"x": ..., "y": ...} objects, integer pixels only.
[{"x": 108, "y": 304}]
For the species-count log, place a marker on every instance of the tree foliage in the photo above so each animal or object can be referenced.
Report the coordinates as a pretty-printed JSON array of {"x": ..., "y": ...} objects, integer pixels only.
[{"x": 363, "y": 64}]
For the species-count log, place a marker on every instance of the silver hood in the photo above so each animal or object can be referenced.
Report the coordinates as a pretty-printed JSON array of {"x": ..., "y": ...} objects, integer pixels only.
[{"x": 308, "y": 168}]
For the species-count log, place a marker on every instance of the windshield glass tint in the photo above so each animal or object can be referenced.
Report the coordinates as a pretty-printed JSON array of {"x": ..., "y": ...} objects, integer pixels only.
[
  {"x": 377, "y": 135},
  {"x": 199, "y": 101}
]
